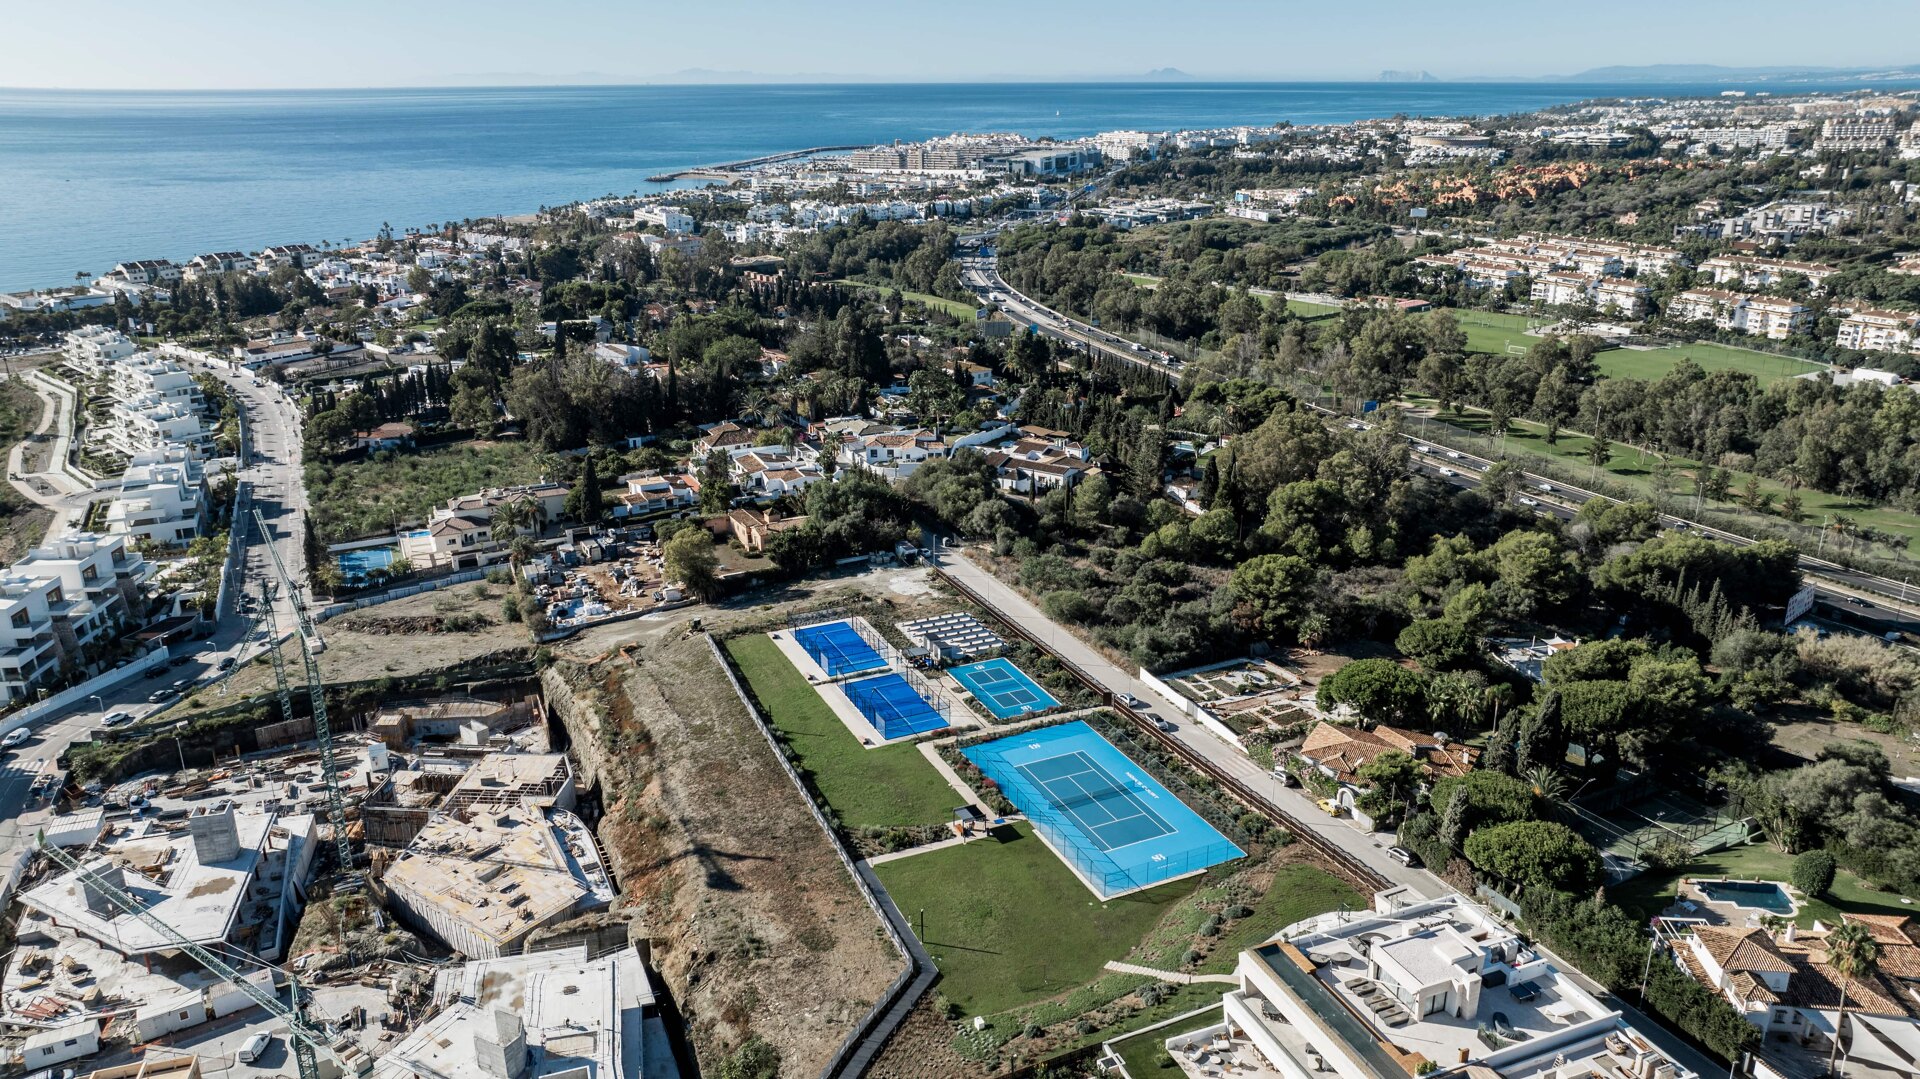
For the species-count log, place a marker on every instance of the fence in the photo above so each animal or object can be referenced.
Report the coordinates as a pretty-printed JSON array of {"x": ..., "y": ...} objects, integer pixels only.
[
  {"x": 1193, "y": 709},
  {"x": 335, "y": 610},
  {"x": 865, "y": 1040},
  {"x": 1357, "y": 871}
]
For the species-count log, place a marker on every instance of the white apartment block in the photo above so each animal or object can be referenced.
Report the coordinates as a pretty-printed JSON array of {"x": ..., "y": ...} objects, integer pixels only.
[
  {"x": 299, "y": 256},
  {"x": 1416, "y": 986},
  {"x": 162, "y": 498},
  {"x": 1562, "y": 289},
  {"x": 218, "y": 262},
  {"x": 1624, "y": 296},
  {"x": 1857, "y": 133},
  {"x": 74, "y": 592},
  {"x": 147, "y": 424},
  {"x": 92, "y": 349},
  {"x": 1757, "y": 316},
  {"x": 1747, "y": 271},
  {"x": 145, "y": 272},
  {"x": 1870, "y": 330}
]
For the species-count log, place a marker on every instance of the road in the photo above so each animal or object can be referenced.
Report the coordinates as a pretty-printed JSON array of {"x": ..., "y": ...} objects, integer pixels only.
[
  {"x": 1011, "y": 605},
  {"x": 271, "y": 469},
  {"x": 1875, "y": 604}
]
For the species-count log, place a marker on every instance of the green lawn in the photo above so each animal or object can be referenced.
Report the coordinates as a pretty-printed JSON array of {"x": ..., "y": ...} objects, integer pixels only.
[
  {"x": 1145, "y": 1055},
  {"x": 1297, "y": 892},
  {"x": 952, "y": 307},
  {"x": 1650, "y": 365},
  {"x": 1651, "y": 892},
  {"x": 879, "y": 787},
  {"x": 1008, "y": 924}
]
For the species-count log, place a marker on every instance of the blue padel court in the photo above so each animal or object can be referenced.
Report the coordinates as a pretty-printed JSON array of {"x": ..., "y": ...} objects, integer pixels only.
[
  {"x": 838, "y": 648},
  {"x": 1005, "y": 689},
  {"x": 893, "y": 706},
  {"x": 1101, "y": 812}
]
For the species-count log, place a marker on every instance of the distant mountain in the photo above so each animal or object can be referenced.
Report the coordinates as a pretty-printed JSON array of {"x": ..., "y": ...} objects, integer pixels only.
[
  {"x": 1680, "y": 73},
  {"x": 1407, "y": 76},
  {"x": 1168, "y": 74}
]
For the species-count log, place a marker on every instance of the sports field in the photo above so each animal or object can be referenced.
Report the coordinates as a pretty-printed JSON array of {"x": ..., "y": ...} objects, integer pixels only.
[
  {"x": 1652, "y": 364},
  {"x": 1003, "y": 688},
  {"x": 880, "y": 786}
]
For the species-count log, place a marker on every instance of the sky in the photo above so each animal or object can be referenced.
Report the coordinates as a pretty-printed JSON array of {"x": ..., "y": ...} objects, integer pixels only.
[{"x": 250, "y": 44}]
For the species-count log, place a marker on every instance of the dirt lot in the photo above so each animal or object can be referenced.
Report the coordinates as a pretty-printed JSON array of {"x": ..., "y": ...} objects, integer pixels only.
[
  {"x": 755, "y": 924},
  {"x": 1811, "y": 732},
  {"x": 407, "y": 636}
]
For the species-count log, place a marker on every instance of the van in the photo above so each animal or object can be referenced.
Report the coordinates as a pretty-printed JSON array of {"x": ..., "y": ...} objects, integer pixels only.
[{"x": 251, "y": 1049}]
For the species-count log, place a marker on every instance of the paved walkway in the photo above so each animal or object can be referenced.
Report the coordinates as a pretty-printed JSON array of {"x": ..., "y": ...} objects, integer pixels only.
[
  {"x": 56, "y": 488},
  {"x": 1011, "y": 605},
  {"x": 1172, "y": 977}
]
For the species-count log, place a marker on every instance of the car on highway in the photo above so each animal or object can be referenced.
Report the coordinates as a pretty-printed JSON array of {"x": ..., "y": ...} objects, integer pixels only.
[
  {"x": 1448, "y": 472},
  {"x": 1547, "y": 487},
  {"x": 116, "y": 718},
  {"x": 1455, "y": 454},
  {"x": 15, "y": 737},
  {"x": 1525, "y": 501},
  {"x": 1422, "y": 449}
]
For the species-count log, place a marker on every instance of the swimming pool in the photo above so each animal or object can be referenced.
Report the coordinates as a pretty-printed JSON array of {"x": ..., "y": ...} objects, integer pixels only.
[
  {"x": 356, "y": 564},
  {"x": 1752, "y": 894},
  {"x": 1005, "y": 689},
  {"x": 1098, "y": 810}
]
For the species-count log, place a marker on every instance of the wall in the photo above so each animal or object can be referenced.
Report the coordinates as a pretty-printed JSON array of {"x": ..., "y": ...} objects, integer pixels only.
[
  {"x": 1191, "y": 708},
  {"x": 337, "y": 609},
  {"x": 60, "y": 701}
]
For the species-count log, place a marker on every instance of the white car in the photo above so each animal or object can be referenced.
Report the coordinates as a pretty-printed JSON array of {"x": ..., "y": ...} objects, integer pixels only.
[
  {"x": 1525, "y": 501},
  {"x": 1423, "y": 449},
  {"x": 15, "y": 737},
  {"x": 1455, "y": 454}
]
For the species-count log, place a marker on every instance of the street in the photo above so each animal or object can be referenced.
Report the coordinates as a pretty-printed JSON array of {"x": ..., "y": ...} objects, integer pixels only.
[{"x": 271, "y": 468}]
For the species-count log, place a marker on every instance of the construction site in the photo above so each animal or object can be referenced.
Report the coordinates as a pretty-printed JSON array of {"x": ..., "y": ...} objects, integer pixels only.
[{"x": 362, "y": 884}]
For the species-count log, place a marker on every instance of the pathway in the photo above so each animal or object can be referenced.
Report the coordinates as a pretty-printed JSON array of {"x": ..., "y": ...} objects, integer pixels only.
[
  {"x": 1172, "y": 977},
  {"x": 54, "y": 489},
  {"x": 1009, "y": 604}
]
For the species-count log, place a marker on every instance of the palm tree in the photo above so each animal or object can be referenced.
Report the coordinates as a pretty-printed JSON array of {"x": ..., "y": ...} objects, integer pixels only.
[
  {"x": 1853, "y": 954},
  {"x": 1548, "y": 785},
  {"x": 509, "y": 518}
]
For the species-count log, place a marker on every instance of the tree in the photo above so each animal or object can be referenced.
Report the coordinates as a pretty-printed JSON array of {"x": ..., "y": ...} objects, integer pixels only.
[
  {"x": 1271, "y": 592},
  {"x": 509, "y": 520},
  {"x": 1380, "y": 690},
  {"x": 1486, "y": 798},
  {"x": 1535, "y": 854},
  {"x": 688, "y": 560},
  {"x": 716, "y": 482},
  {"x": 1392, "y": 776},
  {"x": 472, "y": 408},
  {"x": 1854, "y": 955},
  {"x": 586, "y": 502},
  {"x": 1813, "y": 872},
  {"x": 1437, "y": 642}
]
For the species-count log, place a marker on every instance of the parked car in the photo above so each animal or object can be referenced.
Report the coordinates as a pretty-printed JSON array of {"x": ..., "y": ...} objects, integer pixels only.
[
  {"x": 115, "y": 719},
  {"x": 162, "y": 695},
  {"x": 251, "y": 1049},
  {"x": 225, "y": 664},
  {"x": 1163, "y": 723},
  {"x": 15, "y": 737},
  {"x": 1330, "y": 807},
  {"x": 1403, "y": 856},
  {"x": 1129, "y": 700}
]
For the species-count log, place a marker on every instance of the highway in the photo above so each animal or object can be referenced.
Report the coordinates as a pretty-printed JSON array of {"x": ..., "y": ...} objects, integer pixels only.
[
  {"x": 271, "y": 469},
  {"x": 1871, "y": 603}
]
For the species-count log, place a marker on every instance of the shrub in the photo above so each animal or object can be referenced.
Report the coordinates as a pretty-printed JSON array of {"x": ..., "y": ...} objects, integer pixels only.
[{"x": 1813, "y": 872}]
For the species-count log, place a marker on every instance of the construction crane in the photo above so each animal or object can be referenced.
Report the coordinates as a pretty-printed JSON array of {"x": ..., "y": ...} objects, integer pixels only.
[
  {"x": 317, "y": 693},
  {"x": 307, "y": 1041},
  {"x": 273, "y": 649}
]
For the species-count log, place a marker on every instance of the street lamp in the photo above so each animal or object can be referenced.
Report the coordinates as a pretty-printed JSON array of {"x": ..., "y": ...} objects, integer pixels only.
[
  {"x": 101, "y": 701},
  {"x": 177, "y": 747}
]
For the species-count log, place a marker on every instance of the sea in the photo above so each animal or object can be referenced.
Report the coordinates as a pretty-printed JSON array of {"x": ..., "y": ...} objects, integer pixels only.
[{"x": 92, "y": 178}]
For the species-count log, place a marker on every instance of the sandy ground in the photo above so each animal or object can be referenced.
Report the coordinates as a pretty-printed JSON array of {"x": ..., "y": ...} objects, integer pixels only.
[{"x": 386, "y": 641}]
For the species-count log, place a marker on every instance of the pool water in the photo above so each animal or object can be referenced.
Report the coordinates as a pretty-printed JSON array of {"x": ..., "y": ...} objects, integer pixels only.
[
  {"x": 355, "y": 565},
  {"x": 1752, "y": 894}
]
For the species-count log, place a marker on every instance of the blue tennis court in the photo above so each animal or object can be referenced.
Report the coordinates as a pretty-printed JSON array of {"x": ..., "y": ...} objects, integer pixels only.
[
  {"x": 1100, "y": 811},
  {"x": 1005, "y": 689},
  {"x": 838, "y": 648},
  {"x": 893, "y": 706}
]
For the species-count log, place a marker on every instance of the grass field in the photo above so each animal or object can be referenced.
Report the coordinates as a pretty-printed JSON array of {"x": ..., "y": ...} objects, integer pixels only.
[
  {"x": 1009, "y": 924},
  {"x": 1145, "y": 1055},
  {"x": 939, "y": 303},
  {"x": 879, "y": 787},
  {"x": 1297, "y": 892},
  {"x": 1633, "y": 363},
  {"x": 1627, "y": 465},
  {"x": 362, "y": 497},
  {"x": 1651, "y": 892}
]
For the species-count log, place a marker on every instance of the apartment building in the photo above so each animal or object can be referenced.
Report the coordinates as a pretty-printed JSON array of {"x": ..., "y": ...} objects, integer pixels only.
[
  {"x": 74, "y": 592},
  {"x": 1562, "y": 289},
  {"x": 1774, "y": 318},
  {"x": 162, "y": 498},
  {"x": 1718, "y": 306},
  {"x": 219, "y": 262},
  {"x": 1621, "y": 296},
  {"x": 145, "y": 272},
  {"x": 298, "y": 256},
  {"x": 1758, "y": 316},
  {"x": 148, "y": 424},
  {"x": 1857, "y": 133},
  {"x": 92, "y": 349},
  {"x": 1748, "y": 271},
  {"x": 1871, "y": 330},
  {"x": 1416, "y": 986}
]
